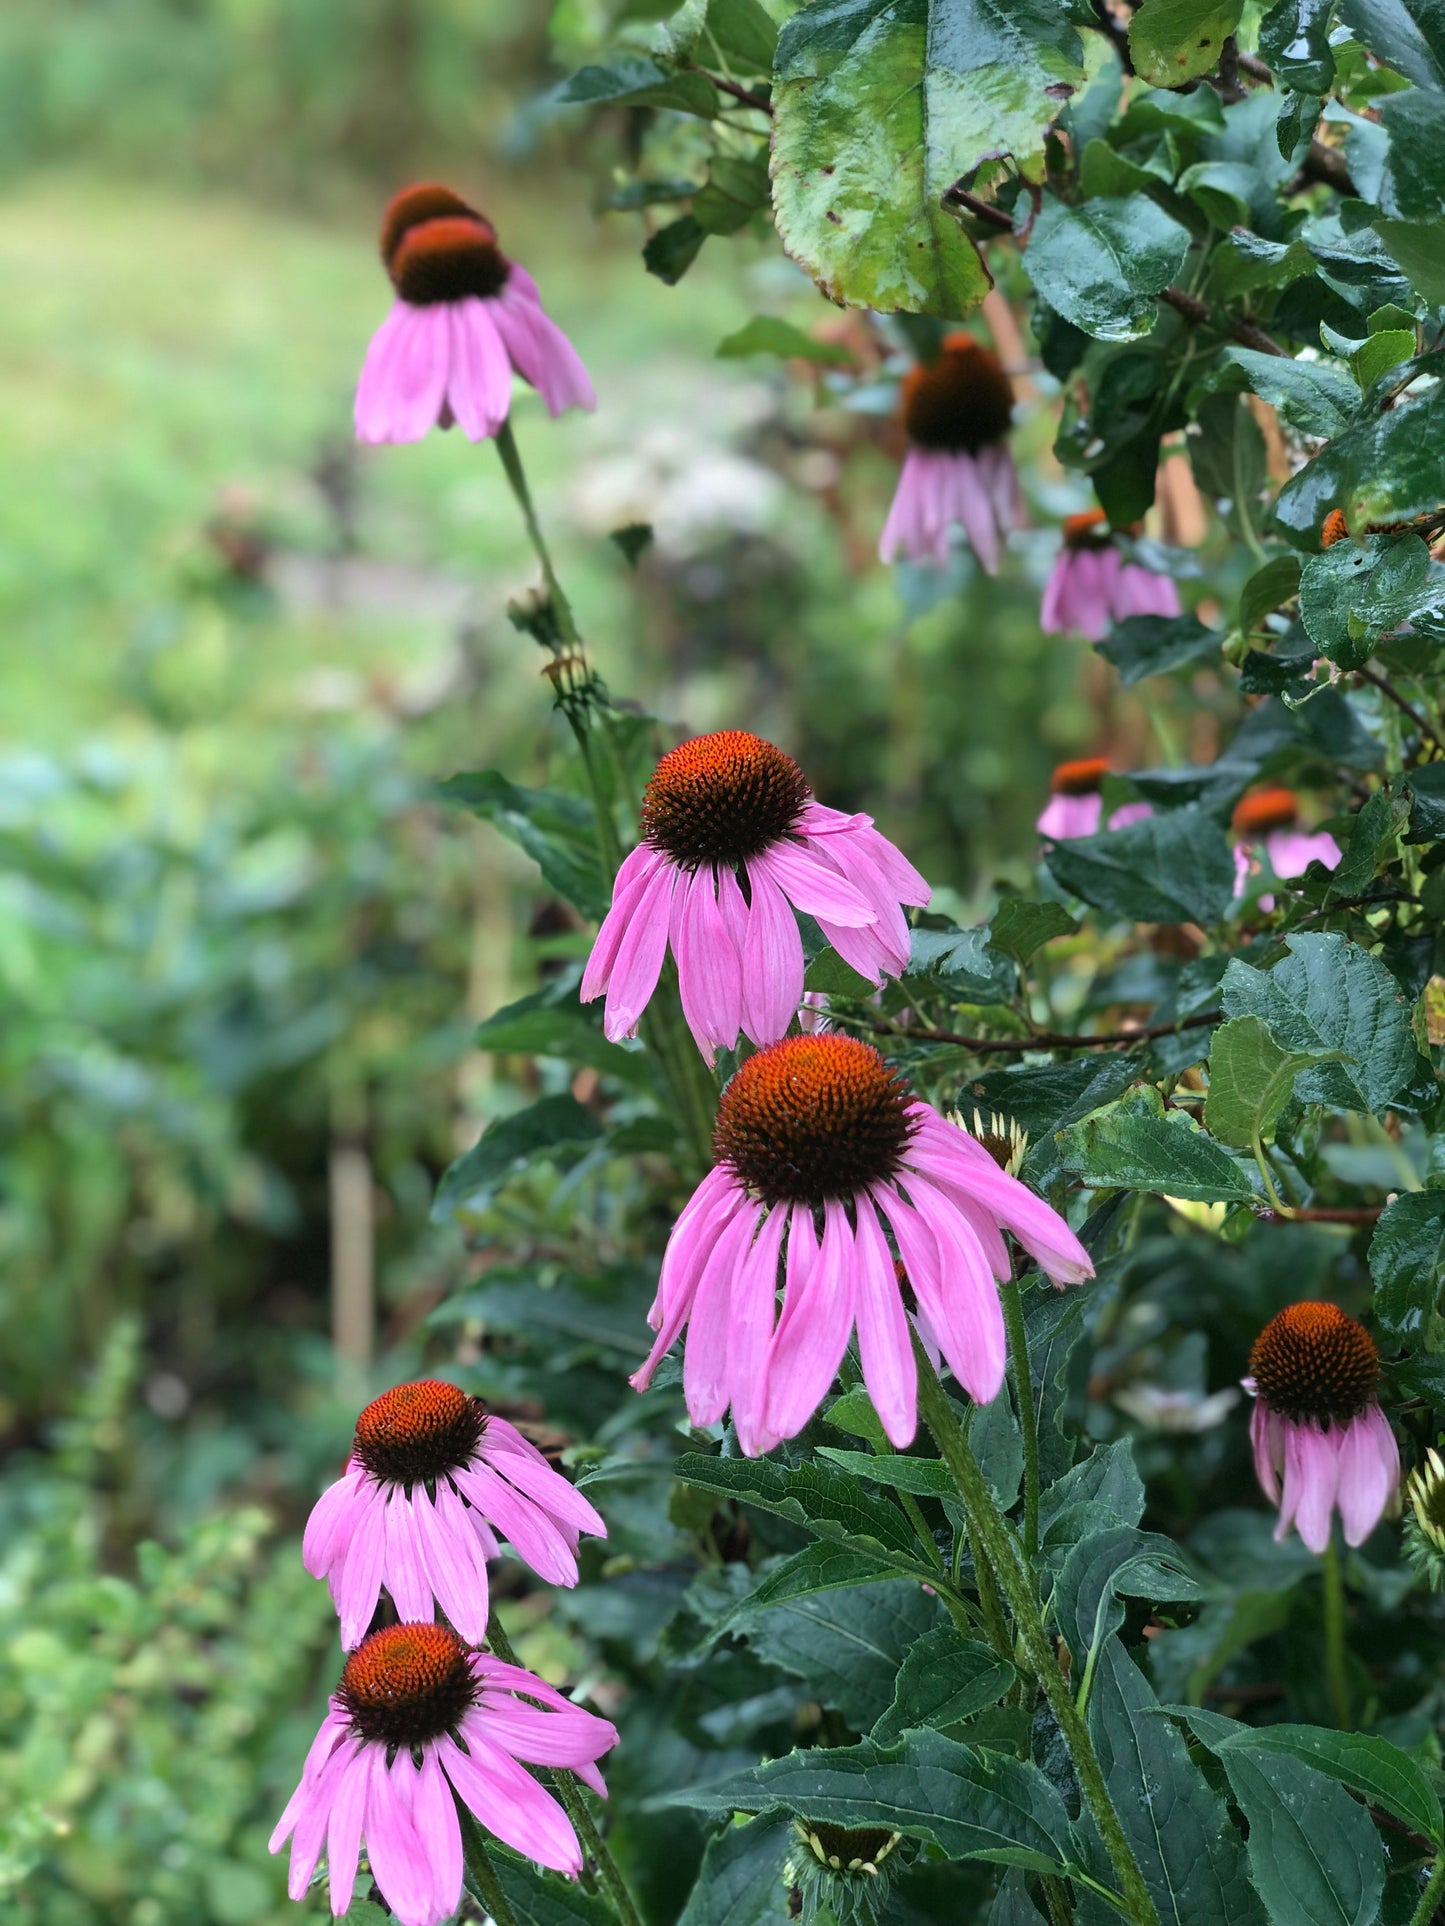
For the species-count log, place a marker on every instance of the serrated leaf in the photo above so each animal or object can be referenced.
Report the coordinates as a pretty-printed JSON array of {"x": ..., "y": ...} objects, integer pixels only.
[
  {"x": 1042, "y": 1098},
  {"x": 1172, "y": 41},
  {"x": 846, "y": 1644},
  {"x": 1102, "y": 264},
  {"x": 1108, "y": 1566},
  {"x": 1310, "y": 395},
  {"x": 1427, "y": 803},
  {"x": 924, "y": 1477},
  {"x": 766, "y": 334},
  {"x": 1378, "y": 472},
  {"x": 1022, "y": 927},
  {"x": 1419, "y": 248},
  {"x": 961, "y": 963},
  {"x": 829, "y": 1502},
  {"x": 1371, "y": 839},
  {"x": 1133, "y": 1148},
  {"x": 1144, "y": 645},
  {"x": 1170, "y": 868},
  {"x": 1379, "y": 1772},
  {"x": 639, "y": 82},
  {"x": 550, "y": 1023},
  {"x": 971, "y": 1803},
  {"x": 944, "y": 1679},
  {"x": 1107, "y": 1478},
  {"x": 550, "y": 1125},
  {"x": 741, "y": 1879},
  {"x": 541, "y": 1898},
  {"x": 556, "y": 830},
  {"x": 1250, "y": 1081},
  {"x": 1355, "y": 593},
  {"x": 1328, "y": 994},
  {"x": 1407, "y": 1261}
]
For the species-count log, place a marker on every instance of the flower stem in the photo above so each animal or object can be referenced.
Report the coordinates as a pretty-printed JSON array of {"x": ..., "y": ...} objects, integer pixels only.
[
  {"x": 1434, "y": 1892},
  {"x": 483, "y": 1874},
  {"x": 570, "y": 1793},
  {"x": 993, "y": 1545},
  {"x": 1336, "y": 1669},
  {"x": 1018, "y": 1344},
  {"x": 517, "y": 479}
]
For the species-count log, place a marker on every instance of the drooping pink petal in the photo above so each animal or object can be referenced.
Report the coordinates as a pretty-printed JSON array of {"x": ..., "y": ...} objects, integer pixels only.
[
  {"x": 402, "y": 1571},
  {"x": 954, "y": 1160},
  {"x": 510, "y": 1803},
  {"x": 1066, "y": 816},
  {"x": 688, "y": 1251},
  {"x": 356, "y": 1582},
  {"x": 1130, "y": 812},
  {"x": 750, "y": 1333},
  {"x": 1369, "y": 1473},
  {"x": 974, "y": 509},
  {"x": 452, "y": 1561},
  {"x": 628, "y": 890},
  {"x": 812, "y": 886},
  {"x": 530, "y": 1472},
  {"x": 960, "y": 1298},
  {"x": 434, "y": 1814},
  {"x": 479, "y": 385},
  {"x": 333, "y": 1518},
  {"x": 772, "y": 980},
  {"x": 526, "y": 1527},
  {"x": 1141, "y": 592},
  {"x": 1311, "y": 1480},
  {"x": 639, "y": 955},
  {"x": 905, "y": 529},
  {"x": 816, "y": 1321},
  {"x": 709, "y": 970},
  {"x": 312, "y": 1820},
  {"x": 343, "y": 1832},
  {"x": 540, "y": 351},
  {"x": 404, "y": 377},
  {"x": 1291, "y": 851},
  {"x": 1267, "y": 1440},
  {"x": 398, "y": 1856},
  {"x": 1058, "y": 594},
  {"x": 884, "y": 1346},
  {"x": 705, "y": 1360}
]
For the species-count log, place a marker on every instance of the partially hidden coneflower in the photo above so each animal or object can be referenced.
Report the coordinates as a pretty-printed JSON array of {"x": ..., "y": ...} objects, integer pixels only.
[
  {"x": 1425, "y": 1524},
  {"x": 1076, "y": 804},
  {"x": 1092, "y": 586},
  {"x": 419, "y": 1721},
  {"x": 432, "y": 1483},
  {"x": 732, "y": 842},
  {"x": 1321, "y": 1442},
  {"x": 957, "y": 469},
  {"x": 824, "y": 1154},
  {"x": 1268, "y": 819},
  {"x": 464, "y": 320}
]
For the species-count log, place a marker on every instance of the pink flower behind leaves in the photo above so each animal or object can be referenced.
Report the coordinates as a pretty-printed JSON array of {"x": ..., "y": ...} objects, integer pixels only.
[
  {"x": 1321, "y": 1442},
  {"x": 1076, "y": 806},
  {"x": 732, "y": 842},
  {"x": 1268, "y": 819},
  {"x": 1091, "y": 586},
  {"x": 418, "y": 1722},
  {"x": 432, "y": 1483},
  {"x": 957, "y": 471},
  {"x": 817, "y": 1130},
  {"x": 464, "y": 321}
]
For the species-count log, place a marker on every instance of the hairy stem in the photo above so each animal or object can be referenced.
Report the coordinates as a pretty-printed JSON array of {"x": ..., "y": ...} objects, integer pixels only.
[
  {"x": 1336, "y": 1669},
  {"x": 517, "y": 480},
  {"x": 483, "y": 1877},
  {"x": 1434, "y": 1892},
  {"x": 1018, "y": 1344},
  {"x": 993, "y": 1545}
]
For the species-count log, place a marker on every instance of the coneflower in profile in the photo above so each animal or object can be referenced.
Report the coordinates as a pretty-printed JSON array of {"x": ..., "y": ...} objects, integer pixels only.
[
  {"x": 465, "y": 319},
  {"x": 1267, "y": 820},
  {"x": 1091, "y": 586},
  {"x": 1076, "y": 804},
  {"x": 1321, "y": 1442},
  {"x": 823, "y": 1153},
  {"x": 419, "y": 1721},
  {"x": 957, "y": 470},
  {"x": 732, "y": 841}
]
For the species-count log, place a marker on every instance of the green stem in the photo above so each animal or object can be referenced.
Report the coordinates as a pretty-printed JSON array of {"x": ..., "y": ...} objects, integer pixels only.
[
  {"x": 1018, "y": 1344},
  {"x": 483, "y": 1875},
  {"x": 1057, "y": 1901},
  {"x": 516, "y": 477},
  {"x": 993, "y": 1546},
  {"x": 693, "y": 1093},
  {"x": 1434, "y": 1892},
  {"x": 570, "y": 1793},
  {"x": 1336, "y": 1669}
]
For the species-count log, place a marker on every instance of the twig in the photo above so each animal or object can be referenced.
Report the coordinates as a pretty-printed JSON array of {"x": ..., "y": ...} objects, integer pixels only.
[
  {"x": 1328, "y": 165},
  {"x": 1252, "y": 65},
  {"x": 1365, "y": 1214},
  {"x": 1040, "y": 1039},
  {"x": 1387, "y": 688},
  {"x": 1197, "y": 313},
  {"x": 984, "y": 211},
  {"x": 726, "y": 86},
  {"x": 1227, "y": 81}
]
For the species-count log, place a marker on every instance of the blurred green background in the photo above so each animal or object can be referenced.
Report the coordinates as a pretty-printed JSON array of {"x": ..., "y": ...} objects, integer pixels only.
[{"x": 242, "y": 946}]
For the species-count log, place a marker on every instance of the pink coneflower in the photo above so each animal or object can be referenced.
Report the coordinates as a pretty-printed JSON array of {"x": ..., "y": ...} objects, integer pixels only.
[
  {"x": 1270, "y": 818},
  {"x": 1091, "y": 586},
  {"x": 957, "y": 472},
  {"x": 1075, "y": 806},
  {"x": 432, "y": 1481},
  {"x": 1321, "y": 1441},
  {"x": 418, "y": 1721},
  {"x": 464, "y": 321},
  {"x": 819, "y": 1131},
  {"x": 732, "y": 842}
]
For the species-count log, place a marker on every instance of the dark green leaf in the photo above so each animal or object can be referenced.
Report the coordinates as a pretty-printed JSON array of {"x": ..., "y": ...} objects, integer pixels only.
[
  {"x": 1251, "y": 1080},
  {"x": 828, "y": 1501},
  {"x": 924, "y": 1477},
  {"x": 1138, "y": 1147},
  {"x": 961, "y": 964},
  {"x": 734, "y": 191},
  {"x": 1407, "y": 34},
  {"x": 1371, "y": 840},
  {"x": 971, "y": 1803},
  {"x": 1021, "y": 927},
  {"x": 1111, "y": 1565},
  {"x": 1176, "y": 40},
  {"x": 1310, "y": 395},
  {"x": 556, "y": 831},
  {"x": 1143, "y": 645},
  {"x": 671, "y": 251},
  {"x": 1270, "y": 586},
  {"x": 1355, "y": 593},
  {"x": 1044, "y": 1097},
  {"x": 1294, "y": 37},
  {"x": 638, "y": 82},
  {"x": 741, "y": 1881},
  {"x": 944, "y": 1679},
  {"x": 540, "y": 1898},
  {"x": 608, "y": 1317},
  {"x": 1407, "y": 1260},
  {"x": 1107, "y": 1479},
  {"x": 1102, "y": 264},
  {"x": 829, "y": 974},
  {"x": 1419, "y": 247},
  {"x": 766, "y": 334},
  {"x": 1173, "y": 868},
  {"x": 1379, "y": 1772},
  {"x": 1329, "y": 994},
  {"x": 846, "y": 1644},
  {"x": 1378, "y": 472},
  {"x": 551, "y": 1023},
  {"x": 1427, "y": 803},
  {"x": 744, "y": 33},
  {"x": 551, "y": 1124}
]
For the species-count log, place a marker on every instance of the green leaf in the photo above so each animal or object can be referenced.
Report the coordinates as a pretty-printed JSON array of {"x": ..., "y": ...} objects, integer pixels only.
[
  {"x": 924, "y": 1477},
  {"x": 1108, "y": 1566},
  {"x": 1294, "y": 37},
  {"x": 1267, "y": 589},
  {"x": 1106, "y": 1479},
  {"x": 539, "y": 1898},
  {"x": 1173, "y": 867},
  {"x": 1172, "y": 41},
  {"x": 741, "y": 1879},
  {"x": 1222, "y": 190},
  {"x": 1043, "y": 1097},
  {"x": 1407, "y": 1261},
  {"x": 1310, "y": 395},
  {"x": 1144, "y": 645},
  {"x": 1021, "y": 927},
  {"x": 1371, "y": 839},
  {"x": 766, "y": 334},
  {"x": 1250, "y": 1081},
  {"x": 671, "y": 251},
  {"x": 1355, "y": 593},
  {"x": 1102, "y": 264},
  {"x": 826, "y": 1500},
  {"x": 847, "y": 1643},
  {"x": 1136, "y": 1148},
  {"x": 551, "y": 1023},
  {"x": 816, "y": 1568},
  {"x": 734, "y": 191},
  {"x": 1381, "y": 471},
  {"x": 829, "y": 974},
  {"x": 944, "y": 1679},
  {"x": 1328, "y": 994},
  {"x": 1419, "y": 247},
  {"x": 1427, "y": 803},
  {"x": 551, "y": 1124},
  {"x": 1315, "y": 1857},
  {"x": 1380, "y": 351},
  {"x": 744, "y": 33},
  {"x": 961, "y": 964},
  {"x": 1407, "y": 34},
  {"x": 1192, "y": 1858},
  {"x": 556, "y": 830},
  {"x": 971, "y": 1803},
  {"x": 1379, "y": 1772},
  {"x": 605, "y": 1317},
  {"x": 638, "y": 82}
]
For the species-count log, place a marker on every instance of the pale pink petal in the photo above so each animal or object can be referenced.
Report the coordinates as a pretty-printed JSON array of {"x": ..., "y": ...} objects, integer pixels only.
[
  {"x": 812, "y": 886},
  {"x": 905, "y": 529},
  {"x": 454, "y": 1571},
  {"x": 434, "y": 1814},
  {"x": 627, "y": 892},
  {"x": 895, "y": 878},
  {"x": 530, "y": 1472},
  {"x": 1066, "y": 816},
  {"x": 398, "y": 1856},
  {"x": 884, "y": 1346},
  {"x": 510, "y": 1803},
  {"x": 1140, "y": 591},
  {"x": 683, "y": 1262},
  {"x": 1311, "y": 1480},
  {"x": 975, "y": 510},
  {"x": 356, "y": 1581},
  {"x": 772, "y": 969},
  {"x": 750, "y": 1333},
  {"x": 1267, "y": 1440},
  {"x": 404, "y": 377},
  {"x": 332, "y": 1521},
  {"x": 1132, "y": 812},
  {"x": 1291, "y": 851},
  {"x": 705, "y": 1359},
  {"x": 402, "y": 1571},
  {"x": 709, "y": 970},
  {"x": 312, "y": 1820},
  {"x": 479, "y": 386},
  {"x": 816, "y": 1323},
  {"x": 961, "y": 1298},
  {"x": 343, "y": 1832},
  {"x": 531, "y": 1533},
  {"x": 1369, "y": 1473},
  {"x": 639, "y": 956},
  {"x": 540, "y": 351}
]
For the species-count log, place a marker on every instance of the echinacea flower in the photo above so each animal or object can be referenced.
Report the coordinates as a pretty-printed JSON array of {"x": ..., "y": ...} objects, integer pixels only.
[
  {"x": 1091, "y": 586},
  {"x": 1426, "y": 1487},
  {"x": 1269, "y": 818},
  {"x": 465, "y": 319},
  {"x": 957, "y": 471},
  {"x": 1321, "y": 1441},
  {"x": 433, "y": 1481},
  {"x": 419, "y": 1721},
  {"x": 818, "y": 1133},
  {"x": 1076, "y": 806},
  {"x": 732, "y": 842}
]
